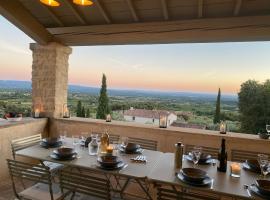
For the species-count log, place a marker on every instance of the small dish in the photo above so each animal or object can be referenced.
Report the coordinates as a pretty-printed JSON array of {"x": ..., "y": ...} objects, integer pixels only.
[
  {"x": 193, "y": 174},
  {"x": 206, "y": 181},
  {"x": 109, "y": 160},
  {"x": 131, "y": 147},
  {"x": 64, "y": 152}
]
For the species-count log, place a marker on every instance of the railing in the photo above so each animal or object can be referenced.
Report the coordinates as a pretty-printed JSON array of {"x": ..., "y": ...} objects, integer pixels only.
[{"x": 166, "y": 138}]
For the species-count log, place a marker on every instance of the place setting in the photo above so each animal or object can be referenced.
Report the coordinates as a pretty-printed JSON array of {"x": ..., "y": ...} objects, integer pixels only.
[
  {"x": 197, "y": 156},
  {"x": 53, "y": 142},
  {"x": 130, "y": 148},
  {"x": 110, "y": 162},
  {"x": 64, "y": 154}
]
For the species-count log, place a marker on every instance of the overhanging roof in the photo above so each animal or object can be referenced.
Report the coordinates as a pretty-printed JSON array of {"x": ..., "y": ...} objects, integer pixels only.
[{"x": 112, "y": 22}]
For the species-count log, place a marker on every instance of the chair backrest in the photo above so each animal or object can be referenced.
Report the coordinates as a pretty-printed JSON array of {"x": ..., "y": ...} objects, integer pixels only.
[
  {"x": 112, "y": 137},
  {"x": 172, "y": 193},
  {"x": 242, "y": 156},
  {"x": 207, "y": 150},
  {"x": 31, "y": 172},
  {"x": 85, "y": 182},
  {"x": 22, "y": 143},
  {"x": 144, "y": 143}
]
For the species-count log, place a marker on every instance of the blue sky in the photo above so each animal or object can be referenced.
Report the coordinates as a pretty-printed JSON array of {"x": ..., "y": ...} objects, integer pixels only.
[{"x": 173, "y": 67}]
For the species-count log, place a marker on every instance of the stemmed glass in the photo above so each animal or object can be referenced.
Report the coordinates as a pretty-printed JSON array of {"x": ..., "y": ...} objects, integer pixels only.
[
  {"x": 63, "y": 136},
  {"x": 76, "y": 144},
  {"x": 267, "y": 128},
  {"x": 124, "y": 141},
  {"x": 264, "y": 164},
  {"x": 196, "y": 154}
]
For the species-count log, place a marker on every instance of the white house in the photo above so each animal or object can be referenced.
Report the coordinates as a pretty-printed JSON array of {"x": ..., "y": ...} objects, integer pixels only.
[{"x": 148, "y": 116}]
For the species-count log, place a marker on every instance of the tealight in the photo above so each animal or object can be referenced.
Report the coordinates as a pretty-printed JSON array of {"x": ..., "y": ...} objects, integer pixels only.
[
  {"x": 235, "y": 170},
  {"x": 109, "y": 149}
]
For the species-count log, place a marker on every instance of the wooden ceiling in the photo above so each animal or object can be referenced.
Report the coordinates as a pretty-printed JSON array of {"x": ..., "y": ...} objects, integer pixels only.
[{"x": 112, "y": 22}]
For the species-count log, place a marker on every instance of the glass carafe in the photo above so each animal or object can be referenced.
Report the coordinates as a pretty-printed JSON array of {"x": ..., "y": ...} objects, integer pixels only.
[{"x": 93, "y": 145}]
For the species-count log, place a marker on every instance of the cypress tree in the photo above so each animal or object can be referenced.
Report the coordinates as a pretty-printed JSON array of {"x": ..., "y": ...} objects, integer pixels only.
[
  {"x": 88, "y": 113},
  {"x": 79, "y": 109},
  {"x": 217, "y": 113},
  {"x": 103, "y": 101},
  {"x": 83, "y": 112}
]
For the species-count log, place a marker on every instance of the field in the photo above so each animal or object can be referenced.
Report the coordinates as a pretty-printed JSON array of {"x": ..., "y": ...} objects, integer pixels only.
[{"x": 193, "y": 109}]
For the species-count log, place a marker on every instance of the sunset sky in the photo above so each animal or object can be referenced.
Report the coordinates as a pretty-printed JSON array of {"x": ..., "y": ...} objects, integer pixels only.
[{"x": 177, "y": 67}]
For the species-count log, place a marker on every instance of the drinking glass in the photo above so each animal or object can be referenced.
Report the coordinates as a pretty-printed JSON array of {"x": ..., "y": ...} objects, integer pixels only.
[
  {"x": 124, "y": 141},
  {"x": 267, "y": 128},
  {"x": 63, "y": 136},
  {"x": 264, "y": 164},
  {"x": 93, "y": 146},
  {"x": 196, "y": 154},
  {"x": 76, "y": 144}
]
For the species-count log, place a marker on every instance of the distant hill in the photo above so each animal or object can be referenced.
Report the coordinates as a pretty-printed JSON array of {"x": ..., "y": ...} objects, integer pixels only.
[{"x": 26, "y": 85}]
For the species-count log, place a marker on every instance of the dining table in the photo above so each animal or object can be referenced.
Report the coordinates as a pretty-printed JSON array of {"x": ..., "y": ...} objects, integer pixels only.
[{"x": 159, "y": 168}]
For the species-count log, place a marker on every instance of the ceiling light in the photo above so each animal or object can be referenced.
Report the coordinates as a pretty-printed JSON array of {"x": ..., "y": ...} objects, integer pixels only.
[
  {"x": 83, "y": 2},
  {"x": 52, "y": 3}
]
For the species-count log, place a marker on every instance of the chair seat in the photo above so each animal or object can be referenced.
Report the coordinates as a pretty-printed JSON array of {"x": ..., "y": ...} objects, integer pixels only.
[
  {"x": 40, "y": 191},
  {"x": 53, "y": 166}
]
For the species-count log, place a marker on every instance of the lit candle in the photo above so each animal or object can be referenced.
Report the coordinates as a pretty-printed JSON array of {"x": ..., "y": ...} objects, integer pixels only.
[
  {"x": 36, "y": 114},
  {"x": 110, "y": 149},
  {"x": 163, "y": 123},
  {"x": 235, "y": 170},
  {"x": 66, "y": 113},
  {"x": 108, "y": 118},
  {"x": 222, "y": 127}
]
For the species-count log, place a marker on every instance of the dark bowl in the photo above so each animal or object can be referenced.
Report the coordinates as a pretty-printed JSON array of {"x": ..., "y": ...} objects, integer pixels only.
[
  {"x": 263, "y": 135},
  {"x": 204, "y": 157},
  {"x": 263, "y": 186},
  {"x": 131, "y": 147},
  {"x": 254, "y": 164},
  {"x": 193, "y": 175},
  {"x": 109, "y": 160},
  {"x": 50, "y": 141},
  {"x": 64, "y": 152}
]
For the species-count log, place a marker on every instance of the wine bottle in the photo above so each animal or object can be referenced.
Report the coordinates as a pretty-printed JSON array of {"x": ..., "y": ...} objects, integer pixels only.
[{"x": 222, "y": 158}]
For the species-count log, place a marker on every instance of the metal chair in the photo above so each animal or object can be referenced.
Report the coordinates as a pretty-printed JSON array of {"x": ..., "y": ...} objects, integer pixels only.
[
  {"x": 144, "y": 143},
  {"x": 242, "y": 156},
  {"x": 40, "y": 178},
  {"x": 172, "y": 192},
  {"x": 207, "y": 150},
  {"x": 85, "y": 182},
  {"x": 22, "y": 143}
]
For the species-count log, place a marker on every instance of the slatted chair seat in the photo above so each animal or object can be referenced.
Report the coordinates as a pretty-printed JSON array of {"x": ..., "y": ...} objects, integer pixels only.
[
  {"x": 144, "y": 143},
  {"x": 40, "y": 177},
  {"x": 242, "y": 156},
  {"x": 207, "y": 150},
  {"x": 85, "y": 182},
  {"x": 25, "y": 142}
]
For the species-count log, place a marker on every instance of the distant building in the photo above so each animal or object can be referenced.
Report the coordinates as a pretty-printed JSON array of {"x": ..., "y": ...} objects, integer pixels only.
[
  {"x": 148, "y": 116},
  {"x": 186, "y": 125}
]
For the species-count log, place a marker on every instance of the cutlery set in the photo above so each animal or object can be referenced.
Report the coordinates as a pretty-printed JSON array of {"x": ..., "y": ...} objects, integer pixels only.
[{"x": 139, "y": 159}]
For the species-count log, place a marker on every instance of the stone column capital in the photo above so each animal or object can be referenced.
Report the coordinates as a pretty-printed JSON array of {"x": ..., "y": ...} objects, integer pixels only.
[{"x": 53, "y": 47}]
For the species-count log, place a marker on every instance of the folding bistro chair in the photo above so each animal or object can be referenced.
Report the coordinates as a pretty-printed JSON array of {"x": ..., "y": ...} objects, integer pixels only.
[
  {"x": 242, "y": 156},
  {"x": 22, "y": 143},
  {"x": 84, "y": 182},
  {"x": 38, "y": 176}
]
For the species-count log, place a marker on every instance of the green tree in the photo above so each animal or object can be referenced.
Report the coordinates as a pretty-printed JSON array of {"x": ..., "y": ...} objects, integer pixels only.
[
  {"x": 79, "y": 109},
  {"x": 253, "y": 100},
  {"x": 217, "y": 112},
  {"x": 83, "y": 112},
  {"x": 103, "y": 101},
  {"x": 88, "y": 113}
]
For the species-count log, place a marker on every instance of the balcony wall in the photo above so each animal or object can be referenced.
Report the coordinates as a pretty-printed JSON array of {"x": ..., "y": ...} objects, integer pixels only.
[
  {"x": 166, "y": 137},
  {"x": 13, "y": 130}
]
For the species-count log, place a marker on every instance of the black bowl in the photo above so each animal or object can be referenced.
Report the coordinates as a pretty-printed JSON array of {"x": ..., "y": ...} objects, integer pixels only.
[
  {"x": 64, "y": 152},
  {"x": 50, "y": 141},
  {"x": 132, "y": 147},
  {"x": 109, "y": 160},
  {"x": 204, "y": 157},
  {"x": 263, "y": 186},
  {"x": 254, "y": 164},
  {"x": 194, "y": 175}
]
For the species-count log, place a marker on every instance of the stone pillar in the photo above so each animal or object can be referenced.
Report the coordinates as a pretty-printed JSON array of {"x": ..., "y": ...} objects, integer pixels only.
[{"x": 50, "y": 78}]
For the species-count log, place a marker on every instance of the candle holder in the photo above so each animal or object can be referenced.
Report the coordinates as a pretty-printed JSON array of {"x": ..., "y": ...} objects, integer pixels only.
[
  {"x": 223, "y": 127},
  {"x": 66, "y": 113},
  {"x": 36, "y": 112},
  {"x": 108, "y": 118},
  {"x": 235, "y": 170},
  {"x": 163, "y": 118}
]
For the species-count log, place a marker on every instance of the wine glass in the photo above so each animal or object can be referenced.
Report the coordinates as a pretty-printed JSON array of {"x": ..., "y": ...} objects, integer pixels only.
[
  {"x": 196, "y": 154},
  {"x": 267, "y": 128},
  {"x": 63, "y": 136},
  {"x": 264, "y": 164},
  {"x": 124, "y": 141}
]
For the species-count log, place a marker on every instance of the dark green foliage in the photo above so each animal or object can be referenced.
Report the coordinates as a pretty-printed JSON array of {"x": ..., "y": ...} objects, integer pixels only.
[
  {"x": 217, "y": 112},
  {"x": 79, "y": 109},
  {"x": 254, "y": 106},
  {"x": 103, "y": 101},
  {"x": 83, "y": 112},
  {"x": 87, "y": 113}
]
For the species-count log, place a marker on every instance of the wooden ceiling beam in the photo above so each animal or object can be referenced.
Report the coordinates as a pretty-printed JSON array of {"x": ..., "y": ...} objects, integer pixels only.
[
  {"x": 165, "y": 9},
  {"x": 75, "y": 12},
  {"x": 103, "y": 11},
  {"x": 53, "y": 15},
  {"x": 238, "y": 4},
  {"x": 229, "y": 29},
  {"x": 132, "y": 10},
  {"x": 15, "y": 12},
  {"x": 200, "y": 8}
]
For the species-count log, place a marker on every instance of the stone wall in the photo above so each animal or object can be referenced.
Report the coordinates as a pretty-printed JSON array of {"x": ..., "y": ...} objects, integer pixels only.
[
  {"x": 15, "y": 130},
  {"x": 50, "y": 78},
  {"x": 166, "y": 138}
]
